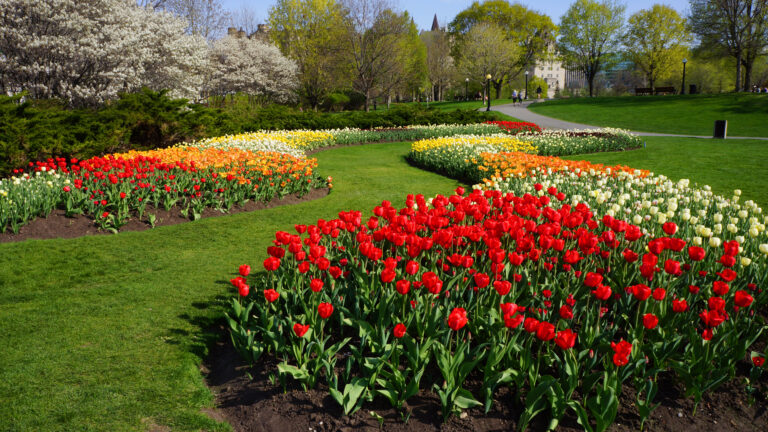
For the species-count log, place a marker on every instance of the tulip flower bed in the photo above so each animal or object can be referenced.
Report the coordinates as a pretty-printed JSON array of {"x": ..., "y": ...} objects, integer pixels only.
[
  {"x": 561, "y": 143},
  {"x": 471, "y": 157},
  {"x": 516, "y": 127},
  {"x": 561, "y": 304},
  {"x": 116, "y": 188}
]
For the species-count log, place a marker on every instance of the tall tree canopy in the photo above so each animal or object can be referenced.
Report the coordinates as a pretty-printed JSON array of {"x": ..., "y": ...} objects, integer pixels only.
[
  {"x": 529, "y": 30},
  {"x": 486, "y": 51},
  {"x": 738, "y": 27},
  {"x": 589, "y": 31},
  {"x": 312, "y": 33},
  {"x": 656, "y": 41}
]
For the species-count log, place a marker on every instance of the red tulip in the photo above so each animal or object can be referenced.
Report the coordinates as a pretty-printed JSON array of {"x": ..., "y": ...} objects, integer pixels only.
[
  {"x": 300, "y": 329},
  {"x": 731, "y": 248},
  {"x": 244, "y": 270},
  {"x": 742, "y": 299},
  {"x": 758, "y": 361},
  {"x": 481, "y": 280},
  {"x": 602, "y": 292},
  {"x": 545, "y": 331},
  {"x": 388, "y": 275},
  {"x": 271, "y": 295},
  {"x": 672, "y": 267},
  {"x": 727, "y": 275},
  {"x": 513, "y": 321},
  {"x": 531, "y": 325},
  {"x": 566, "y": 312},
  {"x": 399, "y": 330},
  {"x": 593, "y": 279},
  {"x": 622, "y": 350},
  {"x": 630, "y": 256},
  {"x": 324, "y": 310},
  {"x": 316, "y": 285},
  {"x": 565, "y": 339},
  {"x": 403, "y": 286},
  {"x": 640, "y": 291},
  {"x": 696, "y": 253},
  {"x": 243, "y": 290},
  {"x": 670, "y": 228},
  {"x": 502, "y": 287},
  {"x": 457, "y": 319},
  {"x": 720, "y": 288},
  {"x": 679, "y": 306},
  {"x": 650, "y": 321},
  {"x": 411, "y": 267},
  {"x": 271, "y": 263},
  {"x": 659, "y": 294},
  {"x": 508, "y": 308}
]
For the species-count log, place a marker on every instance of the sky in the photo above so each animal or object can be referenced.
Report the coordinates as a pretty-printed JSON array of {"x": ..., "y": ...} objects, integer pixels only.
[{"x": 424, "y": 10}]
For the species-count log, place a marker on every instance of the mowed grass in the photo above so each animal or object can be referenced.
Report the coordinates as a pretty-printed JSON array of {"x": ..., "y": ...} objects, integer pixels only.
[
  {"x": 723, "y": 165},
  {"x": 747, "y": 114},
  {"x": 108, "y": 332},
  {"x": 471, "y": 105}
]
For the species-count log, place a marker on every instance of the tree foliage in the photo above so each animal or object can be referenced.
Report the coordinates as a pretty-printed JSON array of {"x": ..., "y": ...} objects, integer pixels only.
[
  {"x": 88, "y": 52},
  {"x": 590, "y": 31},
  {"x": 375, "y": 39},
  {"x": 738, "y": 27},
  {"x": 253, "y": 67},
  {"x": 485, "y": 50},
  {"x": 441, "y": 67},
  {"x": 531, "y": 31},
  {"x": 656, "y": 41},
  {"x": 311, "y": 32}
]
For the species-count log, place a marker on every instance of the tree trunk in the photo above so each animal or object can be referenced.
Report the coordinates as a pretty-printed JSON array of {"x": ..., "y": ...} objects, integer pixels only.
[
  {"x": 651, "y": 81},
  {"x": 367, "y": 100},
  {"x": 590, "y": 83},
  {"x": 747, "y": 75},
  {"x": 497, "y": 86},
  {"x": 738, "y": 72}
]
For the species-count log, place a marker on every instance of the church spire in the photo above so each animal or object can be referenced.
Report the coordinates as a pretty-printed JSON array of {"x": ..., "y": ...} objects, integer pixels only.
[{"x": 435, "y": 25}]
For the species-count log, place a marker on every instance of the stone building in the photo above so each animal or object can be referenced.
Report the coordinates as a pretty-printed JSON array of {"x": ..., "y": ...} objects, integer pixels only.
[{"x": 261, "y": 33}]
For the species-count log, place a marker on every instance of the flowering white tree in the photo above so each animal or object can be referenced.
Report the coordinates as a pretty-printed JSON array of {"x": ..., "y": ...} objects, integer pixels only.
[
  {"x": 253, "y": 67},
  {"x": 88, "y": 51}
]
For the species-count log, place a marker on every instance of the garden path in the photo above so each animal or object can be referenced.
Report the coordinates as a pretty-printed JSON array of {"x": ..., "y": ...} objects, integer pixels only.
[{"x": 523, "y": 113}]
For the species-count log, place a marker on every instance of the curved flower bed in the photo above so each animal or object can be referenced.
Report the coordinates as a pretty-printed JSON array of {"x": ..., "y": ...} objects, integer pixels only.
[
  {"x": 516, "y": 127},
  {"x": 115, "y": 188},
  {"x": 560, "y": 303}
]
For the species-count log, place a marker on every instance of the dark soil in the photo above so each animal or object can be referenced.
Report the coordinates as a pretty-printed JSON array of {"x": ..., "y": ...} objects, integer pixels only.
[
  {"x": 57, "y": 225},
  {"x": 246, "y": 399}
]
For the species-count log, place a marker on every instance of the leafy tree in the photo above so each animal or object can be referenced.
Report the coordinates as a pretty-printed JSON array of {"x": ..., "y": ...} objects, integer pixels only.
[
  {"x": 89, "y": 51},
  {"x": 737, "y": 27},
  {"x": 253, "y": 67},
  {"x": 409, "y": 61},
  {"x": 374, "y": 35},
  {"x": 311, "y": 32},
  {"x": 485, "y": 50},
  {"x": 590, "y": 31},
  {"x": 440, "y": 64},
  {"x": 531, "y": 31},
  {"x": 656, "y": 41}
]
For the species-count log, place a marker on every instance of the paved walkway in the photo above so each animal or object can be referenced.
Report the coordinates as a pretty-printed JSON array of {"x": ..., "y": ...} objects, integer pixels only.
[{"x": 523, "y": 113}]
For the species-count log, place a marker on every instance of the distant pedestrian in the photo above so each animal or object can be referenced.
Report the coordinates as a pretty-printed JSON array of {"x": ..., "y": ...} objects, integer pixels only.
[
  {"x": 514, "y": 97},
  {"x": 538, "y": 92}
]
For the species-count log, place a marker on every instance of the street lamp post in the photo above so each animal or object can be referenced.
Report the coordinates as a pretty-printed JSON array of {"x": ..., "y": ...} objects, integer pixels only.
[
  {"x": 526, "y": 85},
  {"x": 682, "y": 90},
  {"x": 488, "y": 90},
  {"x": 466, "y": 89}
]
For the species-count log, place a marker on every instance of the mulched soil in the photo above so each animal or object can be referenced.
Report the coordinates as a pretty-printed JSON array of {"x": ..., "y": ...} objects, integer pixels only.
[
  {"x": 246, "y": 399},
  {"x": 57, "y": 225}
]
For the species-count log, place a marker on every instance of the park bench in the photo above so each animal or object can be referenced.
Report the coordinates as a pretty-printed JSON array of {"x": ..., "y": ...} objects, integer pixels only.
[
  {"x": 665, "y": 90},
  {"x": 640, "y": 91}
]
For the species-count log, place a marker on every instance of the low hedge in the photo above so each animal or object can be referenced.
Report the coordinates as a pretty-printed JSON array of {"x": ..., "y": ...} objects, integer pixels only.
[{"x": 36, "y": 130}]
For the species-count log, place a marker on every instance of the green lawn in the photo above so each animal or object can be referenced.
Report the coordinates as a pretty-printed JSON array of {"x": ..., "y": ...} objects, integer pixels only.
[
  {"x": 107, "y": 332},
  {"x": 724, "y": 165},
  {"x": 747, "y": 114},
  {"x": 474, "y": 105}
]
